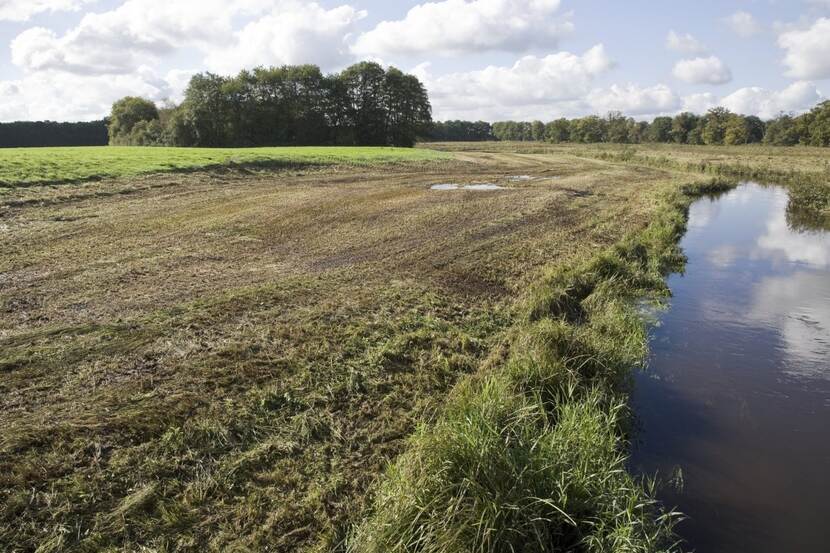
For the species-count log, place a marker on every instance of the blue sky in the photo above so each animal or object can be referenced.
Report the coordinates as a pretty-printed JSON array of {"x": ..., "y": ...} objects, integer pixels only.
[{"x": 489, "y": 59}]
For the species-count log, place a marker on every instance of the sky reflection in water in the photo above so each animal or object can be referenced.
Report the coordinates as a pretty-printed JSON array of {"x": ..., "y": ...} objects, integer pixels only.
[{"x": 738, "y": 390}]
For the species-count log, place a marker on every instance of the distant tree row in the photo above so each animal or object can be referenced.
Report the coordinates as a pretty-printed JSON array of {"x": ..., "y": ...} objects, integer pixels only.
[
  {"x": 28, "y": 134},
  {"x": 461, "y": 131},
  {"x": 718, "y": 126},
  {"x": 277, "y": 106}
]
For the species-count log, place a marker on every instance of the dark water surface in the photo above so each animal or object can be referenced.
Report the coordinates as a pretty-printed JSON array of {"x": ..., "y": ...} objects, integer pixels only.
[{"x": 737, "y": 394}]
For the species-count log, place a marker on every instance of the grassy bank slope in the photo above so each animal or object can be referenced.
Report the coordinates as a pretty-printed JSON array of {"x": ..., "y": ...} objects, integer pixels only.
[
  {"x": 226, "y": 361},
  {"x": 27, "y": 166}
]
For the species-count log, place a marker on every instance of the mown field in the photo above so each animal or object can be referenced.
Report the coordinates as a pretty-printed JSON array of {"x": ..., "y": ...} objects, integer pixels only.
[{"x": 229, "y": 360}]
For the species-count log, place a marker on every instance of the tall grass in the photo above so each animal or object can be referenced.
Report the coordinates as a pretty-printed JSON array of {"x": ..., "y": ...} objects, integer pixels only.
[{"x": 530, "y": 455}]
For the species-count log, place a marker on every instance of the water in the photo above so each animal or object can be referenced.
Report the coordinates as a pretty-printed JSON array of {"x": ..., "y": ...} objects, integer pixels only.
[
  {"x": 481, "y": 186},
  {"x": 737, "y": 395}
]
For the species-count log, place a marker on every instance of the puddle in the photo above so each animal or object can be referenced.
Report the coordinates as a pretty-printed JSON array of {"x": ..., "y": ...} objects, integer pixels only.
[{"x": 481, "y": 186}]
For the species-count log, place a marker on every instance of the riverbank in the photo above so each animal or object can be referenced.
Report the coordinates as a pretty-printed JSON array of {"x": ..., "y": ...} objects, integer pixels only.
[{"x": 531, "y": 452}]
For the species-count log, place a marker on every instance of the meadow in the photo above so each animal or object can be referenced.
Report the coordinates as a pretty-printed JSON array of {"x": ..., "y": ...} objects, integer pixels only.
[
  {"x": 28, "y": 166},
  {"x": 316, "y": 357}
]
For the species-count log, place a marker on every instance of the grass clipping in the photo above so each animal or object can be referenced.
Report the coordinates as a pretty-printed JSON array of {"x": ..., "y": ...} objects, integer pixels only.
[{"x": 530, "y": 456}]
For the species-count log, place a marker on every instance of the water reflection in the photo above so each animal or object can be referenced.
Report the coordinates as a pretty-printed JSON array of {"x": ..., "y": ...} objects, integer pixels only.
[
  {"x": 797, "y": 305},
  {"x": 738, "y": 392},
  {"x": 811, "y": 248}
]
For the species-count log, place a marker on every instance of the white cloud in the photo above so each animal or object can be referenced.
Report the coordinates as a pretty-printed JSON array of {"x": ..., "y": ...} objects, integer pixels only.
[
  {"x": 686, "y": 44},
  {"x": 296, "y": 33},
  {"x": 120, "y": 40},
  {"x": 467, "y": 26},
  {"x": 23, "y": 10},
  {"x": 699, "y": 103},
  {"x": 709, "y": 70},
  {"x": 178, "y": 79},
  {"x": 788, "y": 303},
  {"x": 139, "y": 32},
  {"x": 63, "y": 96},
  {"x": 78, "y": 74},
  {"x": 798, "y": 97},
  {"x": 533, "y": 87},
  {"x": 807, "y": 50},
  {"x": 743, "y": 24},
  {"x": 634, "y": 100}
]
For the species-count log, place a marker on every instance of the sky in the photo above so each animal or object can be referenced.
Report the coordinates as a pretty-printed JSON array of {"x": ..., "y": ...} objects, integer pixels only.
[{"x": 68, "y": 60}]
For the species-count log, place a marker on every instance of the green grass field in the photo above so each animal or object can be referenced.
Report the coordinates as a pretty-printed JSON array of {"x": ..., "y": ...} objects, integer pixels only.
[{"x": 22, "y": 166}]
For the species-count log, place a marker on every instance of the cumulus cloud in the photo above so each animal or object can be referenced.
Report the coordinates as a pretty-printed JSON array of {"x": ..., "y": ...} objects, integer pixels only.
[
  {"x": 292, "y": 35},
  {"x": 120, "y": 40},
  {"x": 467, "y": 26},
  {"x": 634, "y": 100},
  {"x": 798, "y": 97},
  {"x": 699, "y": 103},
  {"x": 79, "y": 73},
  {"x": 807, "y": 50},
  {"x": 533, "y": 87},
  {"x": 686, "y": 44},
  {"x": 23, "y": 10},
  {"x": 142, "y": 31},
  {"x": 709, "y": 70},
  {"x": 63, "y": 96},
  {"x": 743, "y": 24}
]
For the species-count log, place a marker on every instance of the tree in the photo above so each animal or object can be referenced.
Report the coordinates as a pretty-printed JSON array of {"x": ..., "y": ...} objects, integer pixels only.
[
  {"x": 736, "y": 131},
  {"x": 512, "y": 131},
  {"x": 617, "y": 128},
  {"x": 298, "y": 105},
  {"x": 208, "y": 109},
  {"x": 756, "y": 129},
  {"x": 714, "y": 130},
  {"x": 682, "y": 126},
  {"x": 818, "y": 125},
  {"x": 364, "y": 90},
  {"x": 537, "y": 131},
  {"x": 126, "y": 114},
  {"x": 558, "y": 131},
  {"x": 696, "y": 135},
  {"x": 589, "y": 129},
  {"x": 147, "y": 133},
  {"x": 637, "y": 131},
  {"x": 660, "y": 130},
  {"x": 461, "y": 131},
  {"x": 26, "y": 134},
  {"x": 407, "y": 109},
  {"x": 781, "y": 131}
]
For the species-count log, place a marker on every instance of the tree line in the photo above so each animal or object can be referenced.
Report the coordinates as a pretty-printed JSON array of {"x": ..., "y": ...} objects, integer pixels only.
[
  {"x": 718, "y": 126},
  {"x": 460, "y": 131},
  {"x": 28, "y": 134},
  {"x": 364, "y": 105}
]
